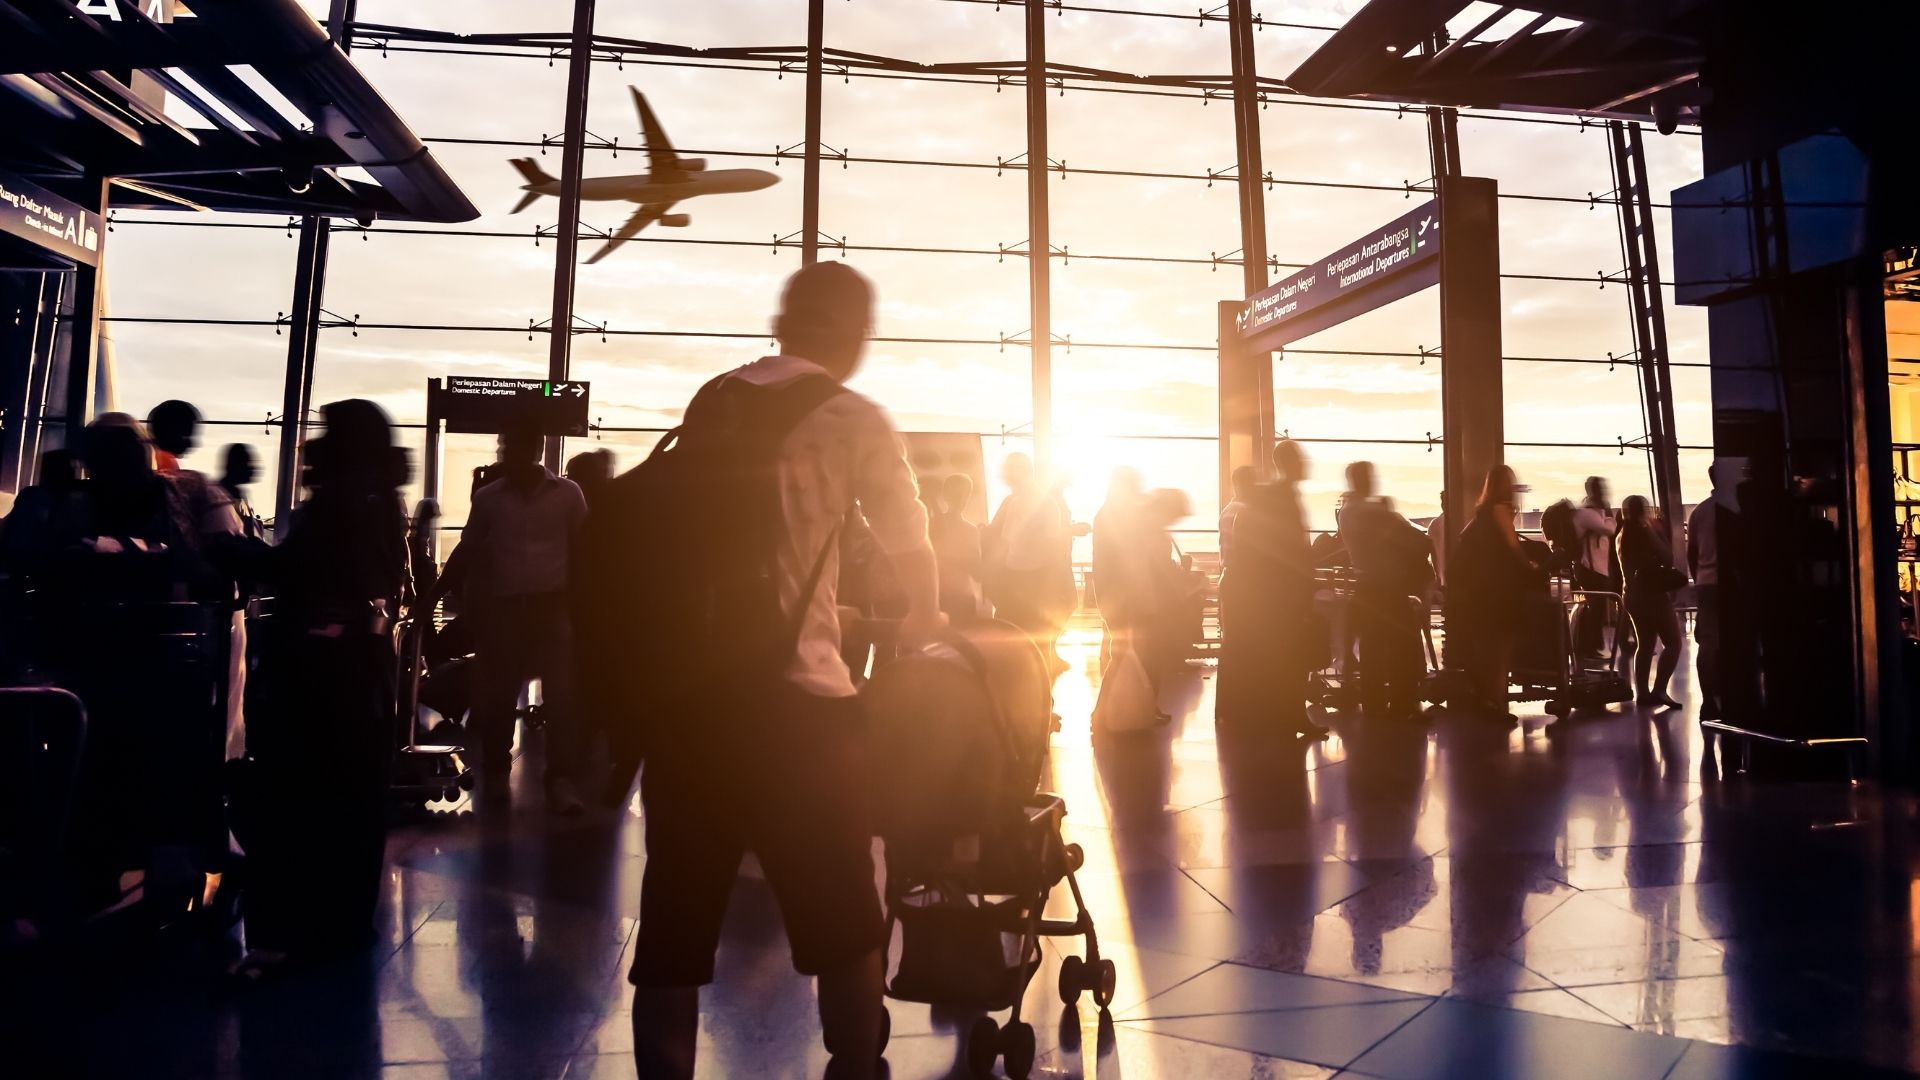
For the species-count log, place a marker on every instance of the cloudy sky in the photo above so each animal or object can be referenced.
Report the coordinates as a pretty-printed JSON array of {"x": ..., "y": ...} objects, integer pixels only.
[{"x": 1104, "y": 395}]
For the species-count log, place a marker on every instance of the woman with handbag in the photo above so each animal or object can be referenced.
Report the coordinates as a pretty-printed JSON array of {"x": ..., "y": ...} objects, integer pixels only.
[{"x": 1646, "y": 557}]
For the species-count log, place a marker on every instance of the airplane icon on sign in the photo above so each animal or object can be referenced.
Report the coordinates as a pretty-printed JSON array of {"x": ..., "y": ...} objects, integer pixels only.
[{"x": 561, "y": 389}]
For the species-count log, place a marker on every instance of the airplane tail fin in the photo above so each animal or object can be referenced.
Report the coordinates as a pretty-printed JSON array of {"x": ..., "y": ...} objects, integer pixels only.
[{"x": 535, "y": 176}]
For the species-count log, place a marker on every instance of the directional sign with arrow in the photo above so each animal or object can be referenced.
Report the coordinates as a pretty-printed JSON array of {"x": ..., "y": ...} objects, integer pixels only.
[{"x": 486, "y": 406}]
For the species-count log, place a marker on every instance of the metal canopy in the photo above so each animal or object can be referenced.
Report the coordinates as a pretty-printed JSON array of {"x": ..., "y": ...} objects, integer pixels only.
[
  {"x": 1627, "y": 59},
  {"x": 71, "y": 107}
]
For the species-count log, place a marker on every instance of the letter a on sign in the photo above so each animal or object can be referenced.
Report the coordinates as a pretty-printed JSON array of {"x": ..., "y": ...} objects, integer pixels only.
[{"x": 109, "y": 8}]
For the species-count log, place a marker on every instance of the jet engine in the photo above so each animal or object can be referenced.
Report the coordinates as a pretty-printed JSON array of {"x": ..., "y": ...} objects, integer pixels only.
[
  {"x": 692, "y": 164},
  {"x": 675, "y": 221}
]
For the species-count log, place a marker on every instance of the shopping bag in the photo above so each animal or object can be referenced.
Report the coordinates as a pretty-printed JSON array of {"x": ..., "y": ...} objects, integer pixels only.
[{"x": 1127, "y": 701}]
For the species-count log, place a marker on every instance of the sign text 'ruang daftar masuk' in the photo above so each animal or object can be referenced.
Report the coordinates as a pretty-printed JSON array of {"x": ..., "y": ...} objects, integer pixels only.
[
  {"x": 49, "y": 222},
  {"x": 1396, "y": 260}
]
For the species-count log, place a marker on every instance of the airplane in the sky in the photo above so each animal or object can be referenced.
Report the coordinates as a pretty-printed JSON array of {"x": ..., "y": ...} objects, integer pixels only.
[{"x": 669, "y": 179}]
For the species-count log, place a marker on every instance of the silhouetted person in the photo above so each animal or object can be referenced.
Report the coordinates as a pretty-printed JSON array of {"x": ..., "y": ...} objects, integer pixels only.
[
  {"x": 422, "y": 544},
  {"x": 1244, "y": 480},
  {"x": 1029, "y": 557},
  {"x": 1489, "y": 579},
  {"x": 1172, "y": 623},
  {"x": 175, "y": 427},
  {"x": 26, "y": 534},
  {"x": 956, "y": 543},
  {"x": 323, "y": 706},
  {"x": 1711, "y": 526},
  {"x": 782, "y": 770},
  {"x": 590, "y": 471},
  {"x": 1269, "y": 593},
  {"x": 1646, "y": 562},
  {"x": 516, "y": 553},
  {"x": 1121, "y": 585},
  {"x": 1390, "y": 559},
  {"x": 239, "y": 471},
  {"x": 1595, "y": 526}
]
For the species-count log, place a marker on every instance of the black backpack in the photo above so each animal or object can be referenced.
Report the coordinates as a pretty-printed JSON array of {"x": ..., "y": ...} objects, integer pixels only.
[{"x": 677, "y": 601}]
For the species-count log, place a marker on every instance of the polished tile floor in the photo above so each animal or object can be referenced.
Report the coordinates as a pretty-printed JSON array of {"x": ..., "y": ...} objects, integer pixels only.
[{"x": 1402, "y": 902}]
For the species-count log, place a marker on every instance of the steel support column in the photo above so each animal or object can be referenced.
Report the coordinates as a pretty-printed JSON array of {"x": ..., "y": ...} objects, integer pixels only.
[
  {"x": 1258, "y": 378},
  {"x": 303, "y": 341},
  {"x": 303, "y": 323},
  {"x": 566, "y": 256},
  {"x": 1648, "y": 307},
  {"x": 28, "y": 303},
  {"x": 1472, "y": 401},
  {"x": 1039, "y": 243},
  {"x": 810, "y": 169},
  {"x": 83, "y": 329}
]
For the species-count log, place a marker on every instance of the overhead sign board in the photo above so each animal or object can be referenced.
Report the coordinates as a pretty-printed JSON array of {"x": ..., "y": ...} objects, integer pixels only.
[
  {"x": 488, "y": 406},
  {"x": 57, "y": 226},
  {"x": 1395, "y": 260}
]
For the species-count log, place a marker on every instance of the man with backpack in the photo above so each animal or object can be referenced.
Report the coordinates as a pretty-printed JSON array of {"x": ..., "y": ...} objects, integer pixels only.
[{"x": 760, "y": 743}]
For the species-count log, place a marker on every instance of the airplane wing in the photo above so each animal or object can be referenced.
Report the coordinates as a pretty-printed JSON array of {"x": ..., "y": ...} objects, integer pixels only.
[
  {"x": 662, "y": 162},
  {"x": 646, "y": 215}
]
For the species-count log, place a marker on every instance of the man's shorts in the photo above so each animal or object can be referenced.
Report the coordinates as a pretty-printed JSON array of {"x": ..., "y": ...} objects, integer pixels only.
[{"x": 787, "y": 781}]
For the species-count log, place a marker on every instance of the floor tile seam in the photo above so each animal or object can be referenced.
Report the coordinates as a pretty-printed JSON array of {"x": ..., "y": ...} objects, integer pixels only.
[
  {"x": 1341, "y": 1066},
  {"x": 407, "y": 940},
  {"x": 1591, "y": 1004},
  {"x": 1217, "y": 898},
  {"x": 1661, "y": 923},
  {"x": 1150, "y": 997},
  {"x": 1289, "y": 1009},
  {"x": 1382, "y": 1040}
]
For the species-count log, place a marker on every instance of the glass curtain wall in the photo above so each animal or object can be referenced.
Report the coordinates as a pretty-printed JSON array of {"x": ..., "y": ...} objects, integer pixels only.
[{"x": 924, "y": 189}]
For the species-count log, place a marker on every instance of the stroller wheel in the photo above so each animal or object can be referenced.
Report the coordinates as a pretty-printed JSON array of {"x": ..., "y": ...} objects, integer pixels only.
[
  {"x": 1020, "y": 1049},
  {"x": 983, "y": 1046},
  {"x": 1104, "y": 979},
  {"x": 1072, "y": 971}
]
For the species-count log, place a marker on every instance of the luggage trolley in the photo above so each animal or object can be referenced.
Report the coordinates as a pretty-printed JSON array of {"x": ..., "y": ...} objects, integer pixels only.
[
  {"x": 423, "y": 772},
  {"x": 1549, "y": 665}
]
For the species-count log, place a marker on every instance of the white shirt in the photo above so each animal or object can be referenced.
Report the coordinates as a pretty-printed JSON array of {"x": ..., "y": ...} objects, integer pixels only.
[
  {"x": 1033, "y": 530},
  {"x": 1703, "y": 542},
  {"x": 1229, "y": 516},
  {"x": 525, "y": 535},
  {"x": 844, "y": 453},
  {"x": 1596, "y": 528}
]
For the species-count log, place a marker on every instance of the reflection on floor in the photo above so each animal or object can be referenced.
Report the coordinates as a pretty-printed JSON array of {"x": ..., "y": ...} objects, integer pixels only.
[{"x": 1401, "y": 902}]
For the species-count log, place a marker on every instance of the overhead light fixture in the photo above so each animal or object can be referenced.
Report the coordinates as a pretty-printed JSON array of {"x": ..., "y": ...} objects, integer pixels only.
[{"x": 1393, "y": 48}]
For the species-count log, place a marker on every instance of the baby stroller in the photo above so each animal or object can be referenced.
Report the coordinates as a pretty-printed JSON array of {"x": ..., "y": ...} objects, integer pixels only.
[{"x": 973, "y": 850}]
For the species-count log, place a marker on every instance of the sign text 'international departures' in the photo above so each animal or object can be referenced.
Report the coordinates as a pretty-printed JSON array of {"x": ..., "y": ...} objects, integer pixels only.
[
  {"x": 49, "y": 222},
  {"x": 487, "y": 406},
  {"x": 1373, "y": 270}
]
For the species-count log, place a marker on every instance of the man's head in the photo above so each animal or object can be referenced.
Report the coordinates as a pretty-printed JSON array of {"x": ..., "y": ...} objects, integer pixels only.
[
  {"x": 174, "y": 425},
  {"x": 1360, "y": 479},
  {"x": 825, "y": 315},
  {"x": 591, "y": 468},
  {"x": 116, "y": 451},
  {"x": 1289, "y": 461},
  {"x": 521, "y": 443},
  {"x": 1597, "y": 491},
  {"x": 1244, "y": 479},
  {"x": 1017, "y": 471},
  {"x": 957, "y": 491},
  {"x": 239, "y": 468}
]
